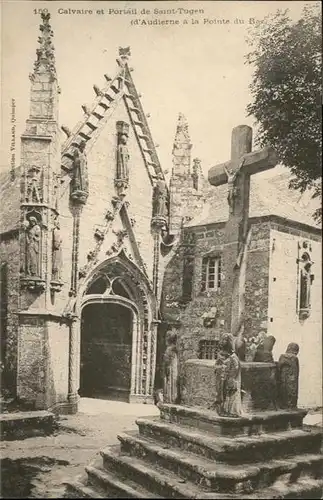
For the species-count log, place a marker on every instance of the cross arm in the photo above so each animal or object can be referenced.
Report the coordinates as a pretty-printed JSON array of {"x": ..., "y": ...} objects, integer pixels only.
[{"x": 257, "y": 161}]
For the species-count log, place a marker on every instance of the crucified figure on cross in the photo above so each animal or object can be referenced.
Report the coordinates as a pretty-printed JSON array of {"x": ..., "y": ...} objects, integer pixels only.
[{"x": 233, "y": 191}]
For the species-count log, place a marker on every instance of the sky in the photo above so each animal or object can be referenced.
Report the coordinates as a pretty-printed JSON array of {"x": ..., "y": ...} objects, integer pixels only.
[{"x": 197, "y": 69}]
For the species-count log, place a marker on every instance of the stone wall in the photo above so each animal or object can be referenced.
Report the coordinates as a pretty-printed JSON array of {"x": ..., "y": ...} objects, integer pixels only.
[
  {"x": 192, "y": 330},
  {"x": 257, "y": 275},
  {"x": 9, "y": 255},
  {"x": 284, "y": 322}
]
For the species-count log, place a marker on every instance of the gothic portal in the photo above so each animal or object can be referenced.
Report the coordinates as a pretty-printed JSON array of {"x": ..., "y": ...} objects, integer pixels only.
[{"x": 117, "y": 333}]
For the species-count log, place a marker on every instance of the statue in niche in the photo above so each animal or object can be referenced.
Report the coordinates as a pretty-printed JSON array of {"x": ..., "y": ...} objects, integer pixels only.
[
  {"x": 160, "y": 197},
  {"x": 80, "y": 180},
  {"x": 306, "y": 279},
  {"x": 56, "y": 252},
  {"x": 33, "y": 238},
  {"x": 122, "y": 151},
  {"x": 34, "y": 185},
  {"x": 233, "y": 191},
  {"x": 170, "y": 369},
  {"x": 227, "y": 379},
  {"x": 264, "y": 352},
  {"x": 288, "y": 373}
]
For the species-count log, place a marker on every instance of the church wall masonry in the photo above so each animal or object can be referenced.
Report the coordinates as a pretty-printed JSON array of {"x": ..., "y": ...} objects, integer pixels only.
[
  {"x": 10, "y": 258},
  {"x": 284, "y": 321},
  {"x": 191, "y": 314}
]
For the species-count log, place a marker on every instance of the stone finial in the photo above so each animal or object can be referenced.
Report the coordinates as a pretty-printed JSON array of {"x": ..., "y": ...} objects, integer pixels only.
[
  {"x": 97, "y": 90},
  {"x": 124, "y": 54},
  {"x": 86, "y": 109},
  {"x": 45, "y": 62},
  {"x": 182, "y": 125},
  {"x": 66, "y": 130},
  {"x": 182, "y": 148}
]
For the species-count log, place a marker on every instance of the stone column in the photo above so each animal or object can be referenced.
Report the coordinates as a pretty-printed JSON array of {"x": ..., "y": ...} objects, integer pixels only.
[{"x": 74, "y": 341}]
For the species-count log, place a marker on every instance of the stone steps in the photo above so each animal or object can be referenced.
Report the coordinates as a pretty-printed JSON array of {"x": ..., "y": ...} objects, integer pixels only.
[
  {"x": 114, "y": 486},
  {"x": 208, "y": 420},
  {"x": 163, "y": 483},
  {"x": 306, "y": 488},
  {"x": 242, "y": 449},
  {"x": 76, "y": 489},
  {"x": 20, "y": 425},
  {"x": 190, "y": 453},
  {"x": 219, "y": 476}
]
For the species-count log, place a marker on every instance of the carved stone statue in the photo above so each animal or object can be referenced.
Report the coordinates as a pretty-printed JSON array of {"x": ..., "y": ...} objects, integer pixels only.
[
  {"x": 57, "y": 253},
  {"x": 80, "y": 182},
  {"x": 122, "y": 151},
  {"x": 170, "y": 369},
  {"x": 306, "y": 279},
  {"x": 228, "y": 379},
  {"x": 264, "y": 350},
  {"x": 34, "y": 185},
  {"x": 160, "y": 197},
  {"x": 288, "y": 373},
  {"x": 33, "y": 237},
  {"x": 233, "y": 191}
]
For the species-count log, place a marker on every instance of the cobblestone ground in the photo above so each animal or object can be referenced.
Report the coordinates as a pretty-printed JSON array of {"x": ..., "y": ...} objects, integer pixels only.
[{"x": 46, "y": 462}]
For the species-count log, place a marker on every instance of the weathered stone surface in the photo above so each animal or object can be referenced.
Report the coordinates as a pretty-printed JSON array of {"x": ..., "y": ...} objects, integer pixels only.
[
  {"x": 258, "y": 384},
  {"x": 26, "y": 424},
  {"x": 241, "y": 449},
  {"x": 178, "y": 456}
]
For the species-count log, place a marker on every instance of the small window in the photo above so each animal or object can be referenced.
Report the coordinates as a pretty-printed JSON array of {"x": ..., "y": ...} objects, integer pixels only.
[
  {"x": 211, "y": 273},
  {"x": 208, "y": 349}
]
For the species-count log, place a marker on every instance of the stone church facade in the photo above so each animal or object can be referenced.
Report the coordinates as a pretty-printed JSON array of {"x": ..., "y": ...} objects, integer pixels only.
[{"x": 100, "y": 257}]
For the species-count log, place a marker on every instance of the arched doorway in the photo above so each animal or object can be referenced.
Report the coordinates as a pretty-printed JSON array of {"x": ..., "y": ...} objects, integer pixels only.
[
  {"x": 106, "y": 351},
  {"x": 118, "y": 333}
]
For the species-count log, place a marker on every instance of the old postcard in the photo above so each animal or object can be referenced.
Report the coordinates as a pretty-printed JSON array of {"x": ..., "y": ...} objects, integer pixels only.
[{"x": 161, "y": 249}]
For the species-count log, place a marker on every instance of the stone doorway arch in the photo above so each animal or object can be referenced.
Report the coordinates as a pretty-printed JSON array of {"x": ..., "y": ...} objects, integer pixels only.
[{"x": 118, "y": 282}]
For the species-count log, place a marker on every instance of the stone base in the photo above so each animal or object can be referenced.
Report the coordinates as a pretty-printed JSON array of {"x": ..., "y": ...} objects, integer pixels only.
[
  {"x": 258, "y": 384},
  {"x": 177, "y": 457},
  {"x": 21, "y": 425}
]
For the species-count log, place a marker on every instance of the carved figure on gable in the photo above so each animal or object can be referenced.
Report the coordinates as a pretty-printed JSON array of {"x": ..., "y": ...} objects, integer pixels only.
[
  {"x": 160, "y": 197},
  {"x": 122, "y": 151},
  {"x": 80, "y": 182},
  {"x": 228, "y": 379},
  {"x": 57, "y": 252},
  {"x": 34, "y": 191},
  {"x": 170, "y": 369},
  {"x": 33, "y": 238},
  {"x": 288, "y": 373},
  {"x": 264, "y": 352}
]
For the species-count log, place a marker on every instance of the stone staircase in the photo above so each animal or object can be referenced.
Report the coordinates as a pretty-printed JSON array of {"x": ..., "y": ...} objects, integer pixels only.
[{"x": 193, "y": 453}]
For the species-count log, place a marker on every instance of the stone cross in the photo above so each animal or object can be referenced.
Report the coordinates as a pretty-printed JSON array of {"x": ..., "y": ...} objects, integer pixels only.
[{"x": 236, "y": 173}]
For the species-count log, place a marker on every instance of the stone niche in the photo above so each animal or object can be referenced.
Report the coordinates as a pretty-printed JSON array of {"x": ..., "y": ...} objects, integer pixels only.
[{"x": 258, "y": 384}]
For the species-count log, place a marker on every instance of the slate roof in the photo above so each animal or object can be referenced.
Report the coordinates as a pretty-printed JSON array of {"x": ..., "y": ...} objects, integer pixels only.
[
  {"x": 10, "y": 201},
  {"x": 268, "y": 196}
]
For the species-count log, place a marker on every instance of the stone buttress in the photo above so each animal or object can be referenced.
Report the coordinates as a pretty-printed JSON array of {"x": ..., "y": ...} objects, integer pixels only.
[{"x": 39, "y": 233}]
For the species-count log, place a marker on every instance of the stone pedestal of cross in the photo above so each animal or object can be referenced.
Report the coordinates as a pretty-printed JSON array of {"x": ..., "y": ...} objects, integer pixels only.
[{"x": 236, "y": 173}]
